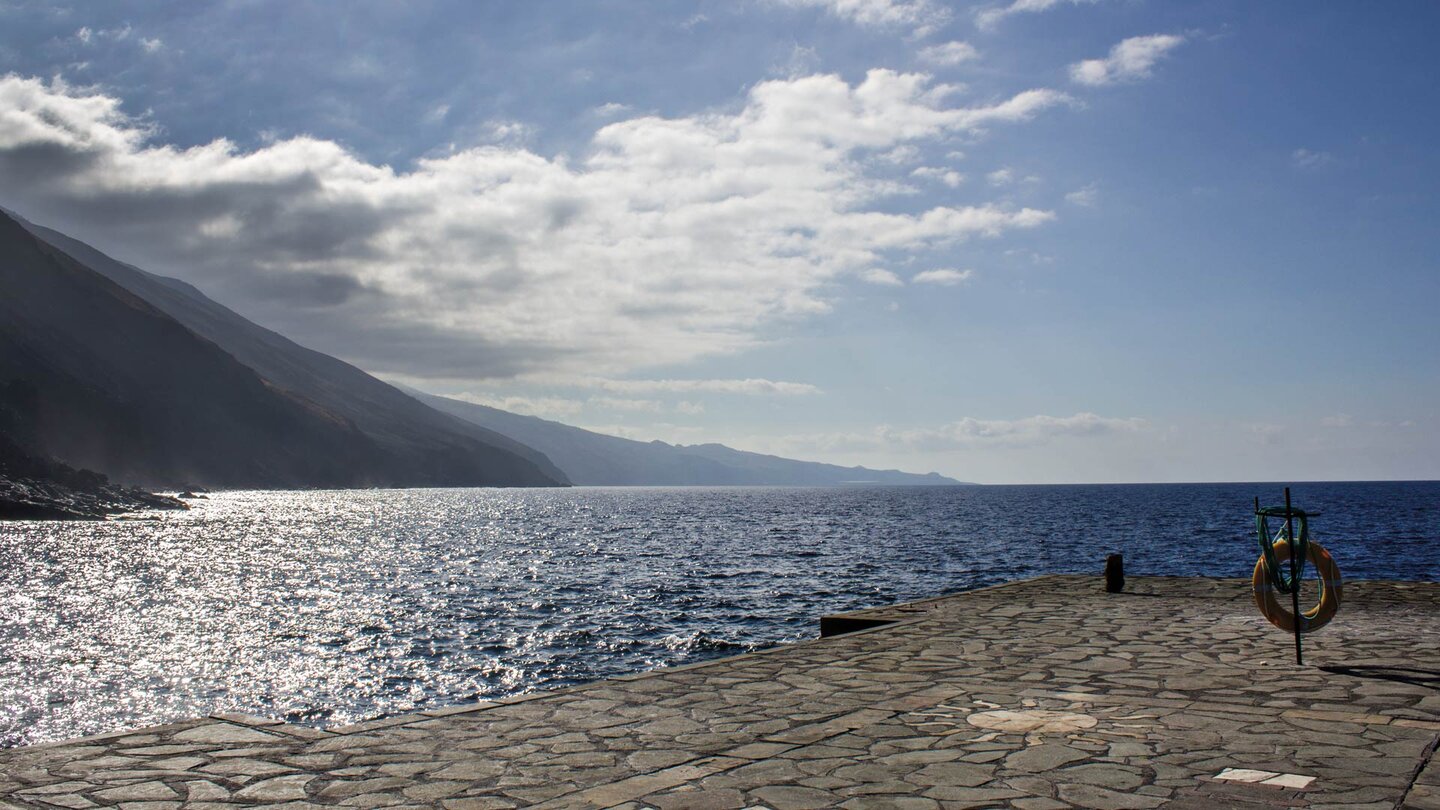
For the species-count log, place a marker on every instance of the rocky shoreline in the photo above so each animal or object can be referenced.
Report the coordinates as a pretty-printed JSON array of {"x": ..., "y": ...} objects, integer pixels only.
[{"x": 33, "y": 488}]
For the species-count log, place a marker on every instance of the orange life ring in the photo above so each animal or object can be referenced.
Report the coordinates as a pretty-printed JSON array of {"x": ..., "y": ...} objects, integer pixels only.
[{"x": 1266, "y": 596}]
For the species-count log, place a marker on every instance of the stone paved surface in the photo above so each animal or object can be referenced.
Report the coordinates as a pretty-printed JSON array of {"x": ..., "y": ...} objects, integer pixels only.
[{"x": 1047, "y": 693}]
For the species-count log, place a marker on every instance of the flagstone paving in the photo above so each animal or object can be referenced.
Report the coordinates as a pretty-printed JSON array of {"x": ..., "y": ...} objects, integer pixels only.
[{"x": 1046, "y": 693}]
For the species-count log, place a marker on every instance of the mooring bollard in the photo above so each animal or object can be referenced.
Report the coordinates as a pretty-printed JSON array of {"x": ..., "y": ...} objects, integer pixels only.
[{"x": 1115, "y": 573}]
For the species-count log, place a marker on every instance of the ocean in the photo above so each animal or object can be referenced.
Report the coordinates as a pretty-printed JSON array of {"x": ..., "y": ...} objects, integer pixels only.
[{"x": 329, "y": 607}]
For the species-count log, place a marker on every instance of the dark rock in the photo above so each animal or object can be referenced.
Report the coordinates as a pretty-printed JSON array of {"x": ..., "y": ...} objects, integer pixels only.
[{"x": 37, "y": 488}]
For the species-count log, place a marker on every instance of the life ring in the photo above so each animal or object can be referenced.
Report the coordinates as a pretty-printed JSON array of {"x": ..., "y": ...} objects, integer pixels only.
[{"x": 1280, "y": 616}]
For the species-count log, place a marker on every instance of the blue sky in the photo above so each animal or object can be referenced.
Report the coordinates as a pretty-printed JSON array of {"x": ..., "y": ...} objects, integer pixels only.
[{"x": 1034, "y": 241}]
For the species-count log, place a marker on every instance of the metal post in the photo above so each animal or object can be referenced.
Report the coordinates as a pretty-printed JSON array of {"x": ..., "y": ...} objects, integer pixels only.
[{"x": 1294, "y": 574}]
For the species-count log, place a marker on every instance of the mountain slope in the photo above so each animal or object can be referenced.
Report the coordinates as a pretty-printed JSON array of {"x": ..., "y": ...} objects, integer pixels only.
[
  {"x": 596, "y": 459},
  {"x": 98, "y": 377},
  {"x": 430, "y": 447},
  {"x": 429, "y": 442}
]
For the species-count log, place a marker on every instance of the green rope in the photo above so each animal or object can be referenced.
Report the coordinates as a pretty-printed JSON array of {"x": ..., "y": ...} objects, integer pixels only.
[{"x": 1279, "y": 574}]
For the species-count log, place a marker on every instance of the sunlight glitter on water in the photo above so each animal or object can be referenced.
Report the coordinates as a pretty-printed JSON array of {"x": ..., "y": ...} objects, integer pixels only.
[{"x": 332, "y": 607}]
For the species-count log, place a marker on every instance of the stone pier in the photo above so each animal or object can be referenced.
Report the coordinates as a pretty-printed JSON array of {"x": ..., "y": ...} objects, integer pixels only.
[{"x": 1042, "y": 694}]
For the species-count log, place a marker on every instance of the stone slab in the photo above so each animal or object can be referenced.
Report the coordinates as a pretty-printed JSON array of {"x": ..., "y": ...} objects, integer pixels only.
[{"x": 1042, "y": 694}]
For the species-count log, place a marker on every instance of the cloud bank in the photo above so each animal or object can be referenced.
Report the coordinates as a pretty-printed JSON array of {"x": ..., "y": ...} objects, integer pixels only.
[
  {"x": 970, "y": 433},
  {"x": 1032, "y": 430},
  {"x": 667, "y": 240}
]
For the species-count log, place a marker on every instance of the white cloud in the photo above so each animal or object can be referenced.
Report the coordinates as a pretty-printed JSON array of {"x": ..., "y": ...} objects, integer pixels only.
[
  {"x": 1001, "y": 177},
  {"x": 627, "y": 404},
  {"x": 689, "y": 408},
  {"x": 151, "y": 45},
  {"x": 1266, "y": 433},
  {"x": 437, "y": 113},
  {"x": 949, "y": 53},
  {"x": 971, "y": 433},
  {"x": 1308, "y": 159},
  {"x": 921, "y": 15},
  {"x": 1086, "y": 197},
  {"x": 990, "y": 17},
  {"x": 944, "y": 278},
  {"x": 87, "y": 35},
  {"x": 666, "y": 240},
  {"x": 1031, "y": 256},
  {"x": 508, "y": 132},
  {"x": 610, "y": 109},
  {"x": 882, "y": 277},
  {"x": 949, "y": 177},
  {"x": 747, "y": 387},
  {"x": 655, "y": 431},
  {"x": 551, "y": 407},
  {"x": 1028, "y": 431},
  {"x": 803, "y": 61},
  {"x": 900, "y": 155},
  {"x": 1130, "y": 60}
]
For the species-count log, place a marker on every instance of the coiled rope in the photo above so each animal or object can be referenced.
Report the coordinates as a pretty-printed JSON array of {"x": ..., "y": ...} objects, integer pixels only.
[{"x": 1274, "y": 573}]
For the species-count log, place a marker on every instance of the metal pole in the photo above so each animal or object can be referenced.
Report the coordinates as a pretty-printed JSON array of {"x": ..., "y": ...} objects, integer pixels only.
[{"x": 1294, "y": 574}]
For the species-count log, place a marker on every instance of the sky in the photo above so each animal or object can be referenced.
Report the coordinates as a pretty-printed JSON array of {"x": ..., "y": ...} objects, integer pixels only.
[{"x": 1022, "y": 241}]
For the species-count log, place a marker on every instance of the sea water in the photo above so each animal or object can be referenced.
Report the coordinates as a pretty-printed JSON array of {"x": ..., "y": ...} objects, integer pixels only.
[{"x": 328, "y": 607}]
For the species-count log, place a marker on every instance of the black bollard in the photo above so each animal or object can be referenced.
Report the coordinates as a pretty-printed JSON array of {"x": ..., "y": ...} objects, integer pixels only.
[{"x": 1115, "y": 573}]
